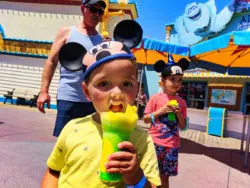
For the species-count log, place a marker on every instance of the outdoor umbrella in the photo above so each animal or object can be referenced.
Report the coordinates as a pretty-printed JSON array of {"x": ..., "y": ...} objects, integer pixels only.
[
  {"x": 151, "y": 50},
  {"x": 229, "y": 53}
]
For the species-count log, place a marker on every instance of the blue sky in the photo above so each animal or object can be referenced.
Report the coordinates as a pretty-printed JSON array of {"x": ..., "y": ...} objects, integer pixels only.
[{"x": 154, "y": 16}]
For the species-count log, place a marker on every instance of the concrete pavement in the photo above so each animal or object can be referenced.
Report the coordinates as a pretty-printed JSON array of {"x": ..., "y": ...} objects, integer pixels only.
[{"x": 26, "y": 142}]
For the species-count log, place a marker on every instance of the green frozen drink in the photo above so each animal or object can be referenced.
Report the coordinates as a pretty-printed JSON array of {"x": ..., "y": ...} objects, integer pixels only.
[{"x": 117, "y": 127}]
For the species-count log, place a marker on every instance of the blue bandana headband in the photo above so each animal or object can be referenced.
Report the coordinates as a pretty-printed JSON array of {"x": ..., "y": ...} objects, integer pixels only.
[{"x": 105, "y": 52}]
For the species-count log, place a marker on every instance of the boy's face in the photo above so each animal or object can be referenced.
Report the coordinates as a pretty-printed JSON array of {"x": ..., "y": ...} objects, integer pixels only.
[
  {"x": 172, "y": 84},
  {"x": 112, "y": 86}
]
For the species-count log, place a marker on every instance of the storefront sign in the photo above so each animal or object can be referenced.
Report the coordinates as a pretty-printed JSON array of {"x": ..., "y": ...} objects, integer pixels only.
[
  {"x": 224, "y": 96},
  {"x": 221, "y": 96}
]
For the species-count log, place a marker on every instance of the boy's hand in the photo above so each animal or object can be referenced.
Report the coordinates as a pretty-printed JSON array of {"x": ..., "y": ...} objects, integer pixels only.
[
  {"x": 176, "y": 110},
  {"x": 125, "y": 162},
  {"x": 166, "y": 109}
]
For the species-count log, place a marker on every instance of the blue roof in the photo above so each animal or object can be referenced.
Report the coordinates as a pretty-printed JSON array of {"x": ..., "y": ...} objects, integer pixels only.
[
  {"x": 239, "y": 38},
  {"x": 42, "y": 56},
  {"x": 28, "y": 40},
  {"x": 162, "y": 46}
]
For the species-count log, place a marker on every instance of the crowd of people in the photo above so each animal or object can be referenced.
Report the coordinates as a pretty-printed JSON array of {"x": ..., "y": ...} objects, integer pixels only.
[{"x": 109, "y": 83}]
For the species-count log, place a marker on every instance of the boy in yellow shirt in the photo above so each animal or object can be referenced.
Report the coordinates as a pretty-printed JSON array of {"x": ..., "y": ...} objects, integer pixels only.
[{"x": 110, "y": 82}]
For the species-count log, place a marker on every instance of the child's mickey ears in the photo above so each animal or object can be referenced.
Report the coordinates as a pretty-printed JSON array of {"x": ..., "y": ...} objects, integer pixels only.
[
  {"x": 183, "y": 63},
  {"x": 127, "y": 32},
  {"x": 160, "y": 65},
  {"x": 71, "y": 55}
]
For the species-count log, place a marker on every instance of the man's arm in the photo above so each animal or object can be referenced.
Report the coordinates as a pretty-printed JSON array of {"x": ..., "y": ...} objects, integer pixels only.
[
  {"x": 50, "y": 66},
  {"x": 50, "y": 179}
]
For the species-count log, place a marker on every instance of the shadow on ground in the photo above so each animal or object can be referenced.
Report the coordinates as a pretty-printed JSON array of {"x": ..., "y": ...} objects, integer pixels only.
[{"x": 231, "y": 157}]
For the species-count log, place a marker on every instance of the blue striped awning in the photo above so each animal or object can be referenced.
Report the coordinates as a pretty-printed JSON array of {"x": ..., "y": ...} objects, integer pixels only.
[
  {"x": 239, "y": 38},
  {"x": 161, "y": 46}
]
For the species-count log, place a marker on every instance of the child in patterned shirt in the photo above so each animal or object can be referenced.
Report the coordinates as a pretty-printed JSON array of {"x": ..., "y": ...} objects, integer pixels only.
[{"x": 165, "y": 131}]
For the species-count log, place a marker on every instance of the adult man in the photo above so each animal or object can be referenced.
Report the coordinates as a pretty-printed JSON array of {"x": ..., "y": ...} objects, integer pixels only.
[{"x": 71, "y": 102}]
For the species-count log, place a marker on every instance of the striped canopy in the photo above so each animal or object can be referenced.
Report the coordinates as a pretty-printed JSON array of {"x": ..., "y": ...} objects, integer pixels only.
[
  {"x": 229, "y": 53},
  {"x": 150, "y": 51}
]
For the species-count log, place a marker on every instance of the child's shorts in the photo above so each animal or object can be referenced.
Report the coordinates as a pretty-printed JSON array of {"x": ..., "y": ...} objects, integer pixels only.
[{"x": 167, "y": 160}]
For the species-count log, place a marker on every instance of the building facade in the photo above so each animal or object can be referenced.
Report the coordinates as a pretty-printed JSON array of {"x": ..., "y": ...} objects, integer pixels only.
[
  {"x": 27, "y": 30},
  {"x": 203, "y": 88}
]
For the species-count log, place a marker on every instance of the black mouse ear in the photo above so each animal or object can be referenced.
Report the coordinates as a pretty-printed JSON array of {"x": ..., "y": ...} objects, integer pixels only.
[
  {"x": 183, "y": 63},
  {"x": 159, "y": 66},
  {"x": 71, "y": 55},
  {"x": 128, "y": 32}
]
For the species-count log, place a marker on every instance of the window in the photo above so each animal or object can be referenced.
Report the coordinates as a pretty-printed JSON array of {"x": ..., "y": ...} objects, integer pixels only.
[{"x": 194, "y": 93}]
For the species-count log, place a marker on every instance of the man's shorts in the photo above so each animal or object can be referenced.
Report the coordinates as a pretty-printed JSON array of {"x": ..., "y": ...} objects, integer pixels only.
[
  {"x": 67, "y": 110},
  {"x": 167, "y": 160}
]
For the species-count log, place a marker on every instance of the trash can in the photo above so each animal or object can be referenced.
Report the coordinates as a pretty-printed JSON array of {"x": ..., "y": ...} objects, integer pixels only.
[{"x": 216, "y": 121}]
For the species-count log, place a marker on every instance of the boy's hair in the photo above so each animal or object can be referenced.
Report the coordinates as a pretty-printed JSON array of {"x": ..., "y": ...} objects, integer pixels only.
[{"x": 103, "y": 53}]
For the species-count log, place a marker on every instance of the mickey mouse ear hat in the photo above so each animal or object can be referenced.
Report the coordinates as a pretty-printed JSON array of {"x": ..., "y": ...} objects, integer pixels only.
[
  {"x": 171, "y": 68},
  {"x": 127, "y": 33},
  {"x": 71, "y": 55}
]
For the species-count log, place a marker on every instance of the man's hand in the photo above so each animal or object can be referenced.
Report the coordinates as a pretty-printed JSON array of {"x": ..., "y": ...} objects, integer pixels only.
[
  {"x": 126, "y": 163},
  {"x": 42, "y": 99}
]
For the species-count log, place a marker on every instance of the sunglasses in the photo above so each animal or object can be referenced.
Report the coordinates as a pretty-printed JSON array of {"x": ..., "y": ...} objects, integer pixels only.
[{"x": 95, "y": 10}]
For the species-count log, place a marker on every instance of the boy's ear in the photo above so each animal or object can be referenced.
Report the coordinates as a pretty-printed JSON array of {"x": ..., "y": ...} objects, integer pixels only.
[
  {"x": 161, "y": 82},
  {"x": 86, "y": 91}
]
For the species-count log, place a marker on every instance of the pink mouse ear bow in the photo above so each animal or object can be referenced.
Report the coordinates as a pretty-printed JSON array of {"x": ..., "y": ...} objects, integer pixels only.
[{"x": 127, "y": 32}]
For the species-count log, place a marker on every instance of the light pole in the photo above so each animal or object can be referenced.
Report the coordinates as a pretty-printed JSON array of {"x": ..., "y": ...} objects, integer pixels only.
[{"x": 107, "y": 15}]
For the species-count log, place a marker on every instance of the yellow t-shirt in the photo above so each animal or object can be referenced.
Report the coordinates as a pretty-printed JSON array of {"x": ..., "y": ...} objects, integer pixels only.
[{"x": 77, "y": 155}]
